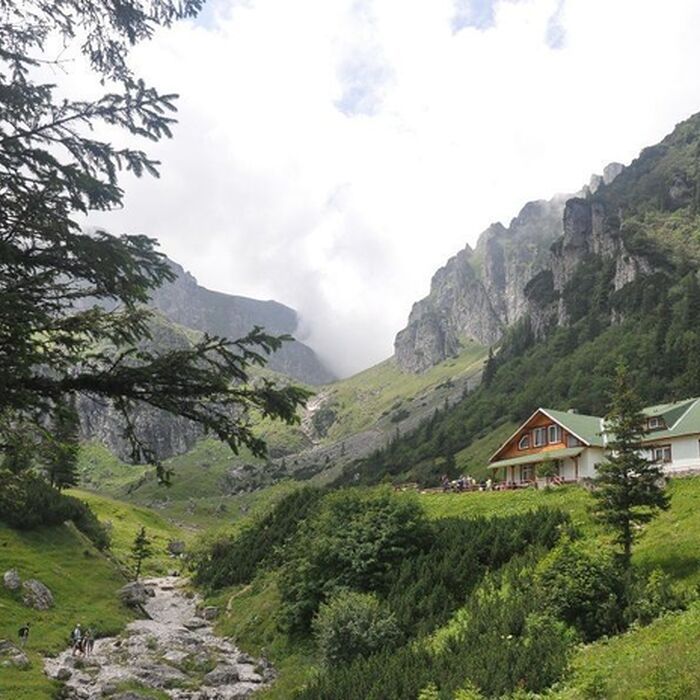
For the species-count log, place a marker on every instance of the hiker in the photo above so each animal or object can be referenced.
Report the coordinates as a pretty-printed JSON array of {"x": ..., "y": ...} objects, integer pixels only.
[
  {"x": 445, "y": 483},
  {"x": 88, "y": 641},
  {"x": 23, "y": 635},
  {"x": 76, "y": 638}
]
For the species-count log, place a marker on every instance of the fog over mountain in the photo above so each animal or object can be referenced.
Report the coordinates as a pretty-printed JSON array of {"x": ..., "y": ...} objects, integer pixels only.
[{"x": 324, "y": 162}]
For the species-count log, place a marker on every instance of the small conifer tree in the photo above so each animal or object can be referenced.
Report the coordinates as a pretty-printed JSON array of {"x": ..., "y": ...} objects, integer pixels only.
[
  {"x": 140, "y": 551},
  {"x": 629, "y": 486}
]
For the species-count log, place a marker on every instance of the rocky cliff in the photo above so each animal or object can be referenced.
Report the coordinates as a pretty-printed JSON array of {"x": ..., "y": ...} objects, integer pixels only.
[
  {"x": 480, "y": 291},
  {"x": 512, "y": 272},
  {"x": 186, "y": 302}
]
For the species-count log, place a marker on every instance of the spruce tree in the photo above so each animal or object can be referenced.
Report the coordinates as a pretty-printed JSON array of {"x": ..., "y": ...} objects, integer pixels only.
[
  {"x": 629, "y": 487},
  {"x": 72, "y": 314},
  {"x": 140, "y": 551}
]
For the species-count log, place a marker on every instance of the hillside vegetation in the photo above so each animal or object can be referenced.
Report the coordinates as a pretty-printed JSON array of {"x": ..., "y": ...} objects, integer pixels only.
[{"x": 257, "y": 610}]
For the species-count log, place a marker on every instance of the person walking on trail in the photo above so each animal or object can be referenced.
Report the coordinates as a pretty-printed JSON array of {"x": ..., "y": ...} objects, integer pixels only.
[
  {"x": 88, "y": 641},
  {"x": 76, "y": 638},
  {"x": 23, "y": 635}
]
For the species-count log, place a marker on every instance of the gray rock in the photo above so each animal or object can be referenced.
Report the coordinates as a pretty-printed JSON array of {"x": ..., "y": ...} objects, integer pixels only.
[
  {"x": 176, "y": 547},
  {"x": 195, "y": 623},
  {"x": 210, "y": 612},
  {"x": 221, "y": 675},
  {"x": 135, "y": 594},
  {"x": 131, "y": 695},
  {"x": 36, "y": 595},
  {"x": 12, "y": 655},
  {"x": 64, "y": 674},
  {"x": 480, "y": 291},
  {"x": 11, "y": 580}
]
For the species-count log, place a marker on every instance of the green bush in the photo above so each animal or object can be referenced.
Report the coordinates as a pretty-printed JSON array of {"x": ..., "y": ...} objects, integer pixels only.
[
  {"x": 651, "y": 597},
  {"x": 353, "y": 624},
  {"x": 582, "y": 588},
  {"x": 356, "y": 541}
]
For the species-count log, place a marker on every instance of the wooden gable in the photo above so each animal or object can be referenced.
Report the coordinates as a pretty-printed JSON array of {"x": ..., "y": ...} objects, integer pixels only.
[{"x": 539, "y": 420}]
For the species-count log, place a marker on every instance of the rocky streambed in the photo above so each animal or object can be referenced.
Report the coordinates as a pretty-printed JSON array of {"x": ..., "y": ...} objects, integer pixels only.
[{"x": 175, "y": 651}]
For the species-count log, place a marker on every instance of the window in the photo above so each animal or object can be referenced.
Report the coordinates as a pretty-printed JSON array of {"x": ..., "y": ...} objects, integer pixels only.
[
  {"x": 553, "y": 434},
  {"x": 654, "y": 423},
  {"x": 526, "y": 473},
  {"x": 539, "y": 436},
  {"x": 572, "y": 441},
  {"x": 661, "y": 453},
  {"x": 524, "y": 442}
]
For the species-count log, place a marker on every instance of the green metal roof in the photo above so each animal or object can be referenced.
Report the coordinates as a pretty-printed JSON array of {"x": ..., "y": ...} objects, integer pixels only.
[
  {"x": 682, "y": 418},
  {"x": 538, "y": 457},
  {"x": 587, "y": 428}
]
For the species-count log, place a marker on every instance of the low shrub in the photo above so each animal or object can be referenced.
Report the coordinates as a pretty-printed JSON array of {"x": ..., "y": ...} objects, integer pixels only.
[{"x": 353, "y": 624}]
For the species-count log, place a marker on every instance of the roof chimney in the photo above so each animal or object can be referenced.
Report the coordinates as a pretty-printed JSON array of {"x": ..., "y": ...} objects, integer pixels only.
[{"x": 572, "y": 410}]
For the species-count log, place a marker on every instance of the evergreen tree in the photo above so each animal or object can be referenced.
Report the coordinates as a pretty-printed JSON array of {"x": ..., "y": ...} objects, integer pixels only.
[
  {"x": 629, "y": 489},
  {"x": 141, "y": 550},
  {"x": 61, "y": 454},
  {"x": 489, "y": 369},
  {"x": 72, "y": 318}
]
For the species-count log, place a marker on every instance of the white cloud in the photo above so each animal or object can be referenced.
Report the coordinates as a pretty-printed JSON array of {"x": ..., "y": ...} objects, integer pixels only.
[{"x": 331, "y": 154}]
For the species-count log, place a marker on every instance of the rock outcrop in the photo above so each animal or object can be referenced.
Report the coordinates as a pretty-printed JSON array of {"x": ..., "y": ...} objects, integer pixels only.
[
  {"x": 480, "y": 291},
  {"x": 186, "y": 302},
  {"x": 36, "y": 595},
  {"x": 12, "y": 656}
]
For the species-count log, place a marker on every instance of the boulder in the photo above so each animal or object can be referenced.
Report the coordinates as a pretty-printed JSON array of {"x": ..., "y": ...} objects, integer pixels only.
[
  {"x": 135, "y": 594},
  {"x": 221, "y": 675},
  {"x": 210, "y": 612},
  {"x": 176, "y": 547},
  {"x": 12, "y": 655},
  {"x": 131, "y": 695},
  {"x": 11, "y": 580},
  {"x": 36, "y": 595}
]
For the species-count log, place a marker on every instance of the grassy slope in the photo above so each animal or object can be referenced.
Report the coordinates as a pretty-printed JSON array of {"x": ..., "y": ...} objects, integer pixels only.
[
  {"x": 84, "y": 583},
  {"x": 365, "y": 398},
  {"x": 195, "y": 497},
  {"x": 124, "y": 521}
]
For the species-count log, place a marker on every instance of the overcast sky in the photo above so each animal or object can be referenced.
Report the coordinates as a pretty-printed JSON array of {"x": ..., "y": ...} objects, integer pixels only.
[{"x": 332, "y": 154}]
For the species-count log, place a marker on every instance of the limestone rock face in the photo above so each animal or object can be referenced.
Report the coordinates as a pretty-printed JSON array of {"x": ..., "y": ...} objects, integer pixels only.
[
  {"x": 186, "y": 302},
  {"x": 518, "y": 271},
  {"x": 588, "y": 231},
  {"x": 479, "y": 292},
  {"x": 11, "y": 580},
  {"x": 36, "y": 595}
]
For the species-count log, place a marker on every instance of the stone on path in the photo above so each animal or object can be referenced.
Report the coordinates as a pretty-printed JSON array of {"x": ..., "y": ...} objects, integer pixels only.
[
  {"x": 11, "y": 580},
  {"x": 36, "y": 595},
  {"x": 222, "y": 675},
  {"x": 135, "y": 594}
]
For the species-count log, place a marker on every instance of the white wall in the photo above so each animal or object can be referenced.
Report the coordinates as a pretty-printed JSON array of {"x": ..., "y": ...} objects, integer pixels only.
[
  {"x": 588, "y": 460},
  {"x": 685, "y": 453}
]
